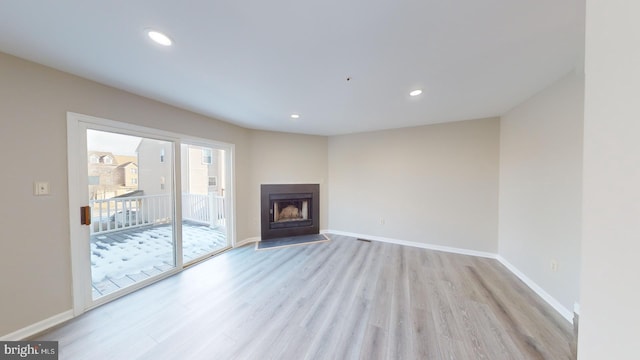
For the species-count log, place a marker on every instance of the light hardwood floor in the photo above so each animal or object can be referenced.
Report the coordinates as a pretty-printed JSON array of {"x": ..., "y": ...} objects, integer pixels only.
[{"x": 342, "y": 299}]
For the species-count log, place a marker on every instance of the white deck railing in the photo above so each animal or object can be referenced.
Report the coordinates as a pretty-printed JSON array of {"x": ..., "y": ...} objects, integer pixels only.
[
  {"x": 129, "y": 212},
  {"x": 204, "y": 209}
]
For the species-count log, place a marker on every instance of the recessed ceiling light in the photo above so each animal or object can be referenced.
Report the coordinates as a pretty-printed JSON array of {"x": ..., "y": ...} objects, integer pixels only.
[
  {"x": 415, "y": 92},
  {"x": 159, "y": 37},
  {"x": 295, "y": 116}
]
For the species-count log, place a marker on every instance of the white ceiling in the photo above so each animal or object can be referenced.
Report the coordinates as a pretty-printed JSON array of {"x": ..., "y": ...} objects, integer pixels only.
[{"x": 254, "y": 62}]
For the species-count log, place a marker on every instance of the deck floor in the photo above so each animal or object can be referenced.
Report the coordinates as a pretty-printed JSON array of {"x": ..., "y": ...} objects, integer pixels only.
[{"x": 122, "y": 258}]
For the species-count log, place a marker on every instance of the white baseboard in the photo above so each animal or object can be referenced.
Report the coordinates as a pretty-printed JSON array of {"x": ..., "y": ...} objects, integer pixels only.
[
  {"x": 564, "y": 312},
  {"x": 38, "y": 327},
  {"x": 247, "y": 241},
  {"x": 415, "y": 244},
  {"x": 538, "y": 290}
]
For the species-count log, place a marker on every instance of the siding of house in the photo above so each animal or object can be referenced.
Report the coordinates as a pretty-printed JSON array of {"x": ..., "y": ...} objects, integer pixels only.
[{"x": 155, "y": 164}]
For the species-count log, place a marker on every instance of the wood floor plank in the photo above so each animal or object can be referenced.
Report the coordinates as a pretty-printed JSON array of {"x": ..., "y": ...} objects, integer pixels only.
[
  {"x": 400, "y": 340},
  {"x": 342, "y": 299},
  {"x": 374, "y": 344},
  {"x": 423, "y": 326},
  {"x": 293, "y": 337},
  {"x": 356, "y": 316},
  {"x": 339, "y": 301}
]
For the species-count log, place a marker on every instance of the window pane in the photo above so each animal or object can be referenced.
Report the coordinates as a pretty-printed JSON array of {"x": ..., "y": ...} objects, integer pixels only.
[{"x": 132, "y": 217}]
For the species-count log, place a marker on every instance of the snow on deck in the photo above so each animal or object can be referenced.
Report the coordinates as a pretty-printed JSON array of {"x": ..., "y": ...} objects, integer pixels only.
[{"x": 121, "y": 258}]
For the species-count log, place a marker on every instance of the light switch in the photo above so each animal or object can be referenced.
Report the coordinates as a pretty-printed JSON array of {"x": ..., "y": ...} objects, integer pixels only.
[{"x": 40, "y": 188}]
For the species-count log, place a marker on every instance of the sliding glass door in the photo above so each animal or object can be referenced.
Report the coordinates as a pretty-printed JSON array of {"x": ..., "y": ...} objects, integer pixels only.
[
  {"x": 150, "y": 203},
  {"x": 204, "y": 214},
  {"x": 131, "y": 197}
]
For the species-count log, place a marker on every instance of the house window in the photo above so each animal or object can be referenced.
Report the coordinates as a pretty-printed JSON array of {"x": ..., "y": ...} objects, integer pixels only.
[
  {"x": 207, "y": 156},
  {"x": 213, "y": 181},
  {"x": 134, "y": 181},
  {"x": 94, "y": 159},
  {"x": 134, "y": 170},
  {"x": 161, "y": 155},
  {"x": 107, "y": 159}
]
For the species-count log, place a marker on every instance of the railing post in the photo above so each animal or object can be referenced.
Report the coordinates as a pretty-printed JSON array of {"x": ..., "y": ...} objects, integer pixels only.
[{"x": 213, "y": 216}]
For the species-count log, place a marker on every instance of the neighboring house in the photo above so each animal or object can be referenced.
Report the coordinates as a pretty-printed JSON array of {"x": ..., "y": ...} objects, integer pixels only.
[
  {"x": 102, "y": 183},
  {"x": 203, "y": 184},
  {"x": 107, "y": 178},
  {"x": 206, "y": 170},
  {"x": 205, "y": 166},
  {"x": 155, "y": 159},
  {"x": 127, "y": 175}
]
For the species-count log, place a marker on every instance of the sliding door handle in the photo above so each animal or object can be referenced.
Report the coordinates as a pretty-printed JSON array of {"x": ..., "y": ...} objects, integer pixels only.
[{"x": 85, "y": 215}]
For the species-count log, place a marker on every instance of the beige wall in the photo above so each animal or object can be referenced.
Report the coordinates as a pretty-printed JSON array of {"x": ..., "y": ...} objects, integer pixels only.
[
  {"x": 279, "y": 158},
  {"x": 540, "y": 187},
  {"x": 34, "y": 234},
  {"x": 610, "y": 294},
  {"x": 435, "y": 184}
]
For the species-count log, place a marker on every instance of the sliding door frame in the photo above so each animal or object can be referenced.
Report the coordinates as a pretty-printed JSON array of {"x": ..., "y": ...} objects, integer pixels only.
[{"x": 77, "y": 124}]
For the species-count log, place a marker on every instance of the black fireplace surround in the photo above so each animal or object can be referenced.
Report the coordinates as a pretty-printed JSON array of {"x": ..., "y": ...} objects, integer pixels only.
[{"x": 289, "y": 210}]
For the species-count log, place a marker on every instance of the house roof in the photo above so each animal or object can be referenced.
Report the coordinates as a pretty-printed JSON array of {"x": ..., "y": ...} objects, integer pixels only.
[
  {"x": 101, "y": 154},
  {"x": 127, "y": 164},
  {"x": 130, "y": 194}
]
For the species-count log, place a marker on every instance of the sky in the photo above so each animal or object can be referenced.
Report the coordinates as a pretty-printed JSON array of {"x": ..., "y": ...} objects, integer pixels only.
[{"x": 117, "y": 144}]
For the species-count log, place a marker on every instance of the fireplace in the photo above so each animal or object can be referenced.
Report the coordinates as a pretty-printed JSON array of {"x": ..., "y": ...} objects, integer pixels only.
[{"x": 289, "y": 210}]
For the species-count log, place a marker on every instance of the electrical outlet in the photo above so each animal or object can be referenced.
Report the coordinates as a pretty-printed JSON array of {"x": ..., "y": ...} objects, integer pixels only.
[{"x": 554, "y": 265}]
